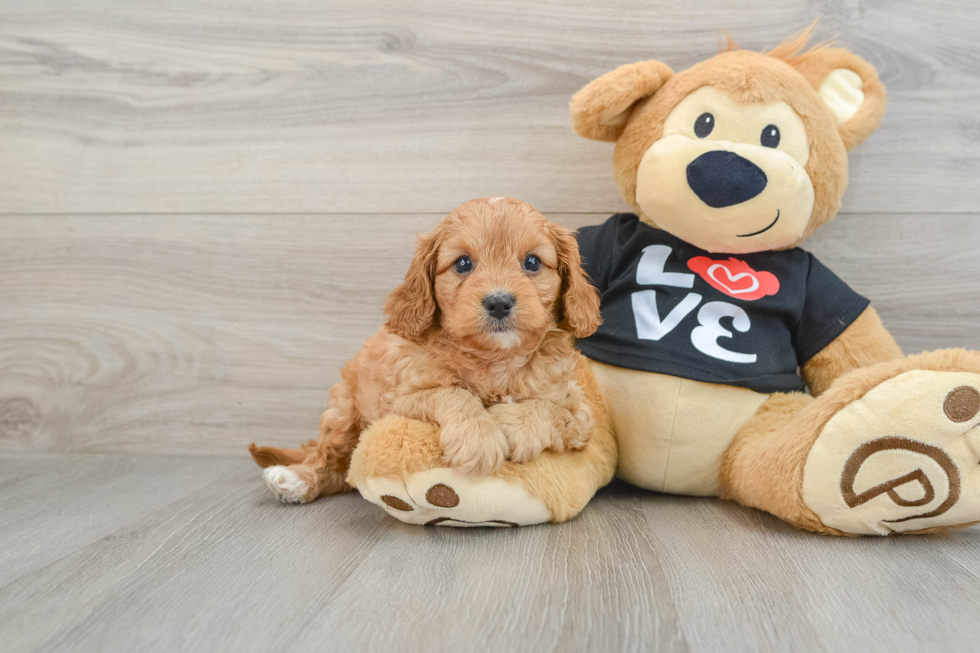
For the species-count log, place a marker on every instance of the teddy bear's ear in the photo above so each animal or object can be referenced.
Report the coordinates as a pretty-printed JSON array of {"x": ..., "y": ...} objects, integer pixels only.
[
  {"x": 850, "y": 88},
  {"x": 601, "y": 109}
]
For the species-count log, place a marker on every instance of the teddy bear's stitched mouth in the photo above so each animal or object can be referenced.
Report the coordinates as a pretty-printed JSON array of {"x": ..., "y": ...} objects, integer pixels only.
[{"x": 756, "y": 233}]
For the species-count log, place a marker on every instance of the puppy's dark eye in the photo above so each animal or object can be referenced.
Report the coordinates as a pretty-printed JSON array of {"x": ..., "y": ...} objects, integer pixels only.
[
  {"x": 770, "y": 136},
  {"x": 463, "y": 265},
  {"x": 704, "y": 125},
  {"x": 532, "y": 263}
]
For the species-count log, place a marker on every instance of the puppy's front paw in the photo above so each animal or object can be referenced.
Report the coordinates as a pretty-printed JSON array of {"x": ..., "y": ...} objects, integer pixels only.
[
  {"x": 473, "y": 445},
  {"x": 579, "y": 428},
  {"x": 285, "y": 484},
  {"x": 527, "y": 433}
]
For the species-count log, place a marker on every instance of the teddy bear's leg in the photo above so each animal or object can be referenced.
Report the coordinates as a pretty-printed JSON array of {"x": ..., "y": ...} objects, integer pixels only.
[
  {"x": 762, "y": 466},
  {"x": 398, "y": 466},
  {"x": 894, "y": 447}
]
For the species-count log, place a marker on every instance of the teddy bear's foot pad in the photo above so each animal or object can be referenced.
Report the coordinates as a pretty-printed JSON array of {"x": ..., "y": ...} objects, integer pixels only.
[
  {"x": 905, "y": 457},
  {"x": 448, "y": 497}
]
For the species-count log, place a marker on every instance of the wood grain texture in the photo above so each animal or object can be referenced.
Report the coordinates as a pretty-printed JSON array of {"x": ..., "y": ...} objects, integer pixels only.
[
  {"x": 178, "y": 334},
  {"x": 82, "y": 498},
  {"x": 744, "y": 576},
  {"x": 202, "y": 206},
  {"x": 224, "y": 567},
  {"x": 249, "y": 106}
]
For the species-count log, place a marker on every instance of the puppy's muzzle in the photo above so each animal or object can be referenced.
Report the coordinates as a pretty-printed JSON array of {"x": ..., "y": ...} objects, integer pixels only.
[{"x": 499, "y": 305}]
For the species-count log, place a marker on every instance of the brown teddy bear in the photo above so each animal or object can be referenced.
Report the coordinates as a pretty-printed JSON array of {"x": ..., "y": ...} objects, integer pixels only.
[{"x": 716, "y": 323}]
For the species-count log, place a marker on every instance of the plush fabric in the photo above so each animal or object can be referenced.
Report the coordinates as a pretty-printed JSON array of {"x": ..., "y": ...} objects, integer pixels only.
[
  {"x": 882, "y": 443},
  {"x": 764, "y": 468},
  {"x": 398, "y": 462},
  {"x": 864, "y": 342},
  {"x": 673, "y": 432},
  {"x": 922, "y": 466},
  {"x": 738, "y": 159},
  {"x": 600, "y": 111},
  {"x": 747, "y": 321}
]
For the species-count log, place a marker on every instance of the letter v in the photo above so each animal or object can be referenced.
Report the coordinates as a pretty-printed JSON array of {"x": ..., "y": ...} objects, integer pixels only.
[{"x": 648, "y": 324}]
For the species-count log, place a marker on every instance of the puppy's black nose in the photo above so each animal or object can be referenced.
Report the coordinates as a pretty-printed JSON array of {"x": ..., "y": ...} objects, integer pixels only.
[
  {"x": 498, "y": 305},
  {"x": 723, "y": 178}
]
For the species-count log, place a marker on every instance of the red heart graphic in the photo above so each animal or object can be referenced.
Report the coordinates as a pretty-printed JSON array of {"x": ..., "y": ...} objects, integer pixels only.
[{"x": 735, "y": 278}]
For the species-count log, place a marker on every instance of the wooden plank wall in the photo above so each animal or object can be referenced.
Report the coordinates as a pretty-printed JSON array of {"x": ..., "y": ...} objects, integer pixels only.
[{"x": 202, "y": 204}]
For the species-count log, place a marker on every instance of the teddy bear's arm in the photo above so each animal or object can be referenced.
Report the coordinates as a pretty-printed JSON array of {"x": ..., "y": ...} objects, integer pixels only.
[{"x": 863, "y": 343}]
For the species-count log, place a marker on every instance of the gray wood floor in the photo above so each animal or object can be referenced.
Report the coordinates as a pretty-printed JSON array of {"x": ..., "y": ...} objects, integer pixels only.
[
  {"x": 117, "y": 552},
  {"x": 202, "y": 205}
]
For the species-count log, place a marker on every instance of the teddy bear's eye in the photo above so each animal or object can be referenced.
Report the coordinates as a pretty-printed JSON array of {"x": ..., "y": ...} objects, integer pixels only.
[
  {"x": 704, "y": 124},
  {"x": 770, "y": 136}
]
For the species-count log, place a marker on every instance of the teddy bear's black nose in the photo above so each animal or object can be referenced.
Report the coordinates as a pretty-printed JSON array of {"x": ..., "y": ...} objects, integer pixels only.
[{"x": 723, "y": 178}]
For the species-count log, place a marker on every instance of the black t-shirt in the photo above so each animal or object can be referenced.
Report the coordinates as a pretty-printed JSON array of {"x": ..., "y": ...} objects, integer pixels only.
[{"x": 748, "y": 320}]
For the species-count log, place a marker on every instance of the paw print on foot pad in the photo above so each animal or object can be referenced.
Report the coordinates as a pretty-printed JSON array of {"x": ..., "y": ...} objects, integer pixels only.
[
  {"x": 904, "y": 457},
  {"x": 447, "y": 497}
]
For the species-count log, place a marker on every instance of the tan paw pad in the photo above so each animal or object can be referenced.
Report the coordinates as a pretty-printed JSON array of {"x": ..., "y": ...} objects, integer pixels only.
[
  {"x": 396, "y": 503},
  {"x": 447, "y": 497},
  {"x": 442, "y": 495},
  {"x": 904, "y": 457}
]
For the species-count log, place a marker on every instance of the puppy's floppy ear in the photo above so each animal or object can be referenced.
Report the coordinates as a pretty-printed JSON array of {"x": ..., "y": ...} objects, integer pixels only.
[
  {"x": 410, "y": 309},
  {"x": 850, "y": 89},
  {"x": 578, "y": 304},
  {"x": 602, "y": 108}
]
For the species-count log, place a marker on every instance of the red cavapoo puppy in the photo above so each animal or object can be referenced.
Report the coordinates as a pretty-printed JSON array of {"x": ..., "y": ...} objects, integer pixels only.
[{"x": 478, "y": 340}]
